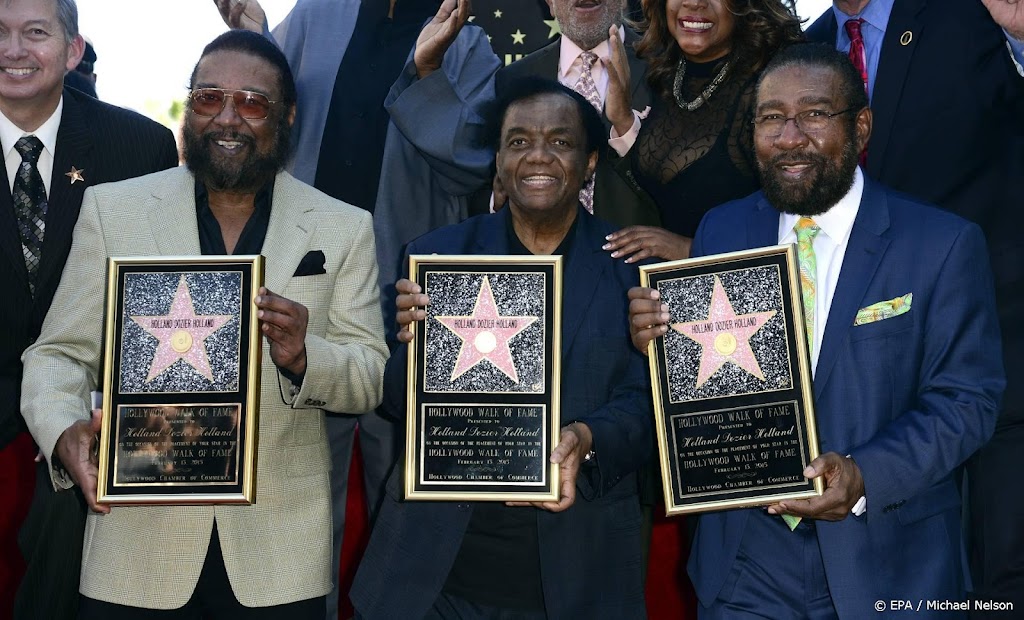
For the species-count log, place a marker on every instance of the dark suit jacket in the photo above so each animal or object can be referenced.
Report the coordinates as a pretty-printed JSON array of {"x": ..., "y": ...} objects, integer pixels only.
[
  {"x": 615, "y": 200},
  {"x": 590, "y": 554},
  {"x": 948, "y": 109},
  {"x": 108, "y": 144},
  {"x": 909, "y": 397}
]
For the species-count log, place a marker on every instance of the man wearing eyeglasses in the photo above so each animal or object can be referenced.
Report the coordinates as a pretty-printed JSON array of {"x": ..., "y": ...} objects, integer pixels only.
[
  {"x": 55, "y": 143},
  {"x": 905, "y": 354},
  {"x": 322, "y": 349}
]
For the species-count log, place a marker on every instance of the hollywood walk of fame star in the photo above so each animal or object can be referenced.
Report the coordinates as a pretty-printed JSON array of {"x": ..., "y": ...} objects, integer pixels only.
[
  {"x": 75, "y": 175},
  {"x": 724, "y": 336},
  {"x": 485, "y": 335},
  {"x": 182, "y": 334}
]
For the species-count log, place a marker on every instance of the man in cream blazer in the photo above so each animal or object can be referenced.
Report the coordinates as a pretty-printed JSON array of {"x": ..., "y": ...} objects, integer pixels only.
[{"x": 322, "y": 350}]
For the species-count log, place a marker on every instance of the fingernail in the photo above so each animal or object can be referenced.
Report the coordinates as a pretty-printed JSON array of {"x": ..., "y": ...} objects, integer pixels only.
[
  {"x": 606, "y": 246},
  {"x": 258, "y": 299},
  {"x": 609, "y": 237},
  {"x": 259, "y": 314},
  {"x": 771, "y": 511},
  {"x": 808, "y": 472},
  {"x": 615, "y": 254}
]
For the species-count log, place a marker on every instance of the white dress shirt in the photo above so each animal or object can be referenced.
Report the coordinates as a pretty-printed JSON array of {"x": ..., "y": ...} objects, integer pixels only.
[{"x": 47, "y": 134}]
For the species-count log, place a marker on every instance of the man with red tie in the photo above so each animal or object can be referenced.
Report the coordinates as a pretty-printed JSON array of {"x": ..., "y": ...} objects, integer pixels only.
[{"x": 945, "y": 82}]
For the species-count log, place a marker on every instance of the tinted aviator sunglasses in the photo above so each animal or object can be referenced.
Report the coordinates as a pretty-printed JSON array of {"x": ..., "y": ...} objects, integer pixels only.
[{"x": 248, "y": 104}]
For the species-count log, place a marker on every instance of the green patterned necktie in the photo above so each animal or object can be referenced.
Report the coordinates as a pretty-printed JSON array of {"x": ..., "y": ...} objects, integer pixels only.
[
  {"x": 29, "y": 197},
  {"x": 806, "y": 231}
]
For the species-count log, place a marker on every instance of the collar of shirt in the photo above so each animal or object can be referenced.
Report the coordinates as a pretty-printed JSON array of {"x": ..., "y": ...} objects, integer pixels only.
[
  {"x": 47, "y": 134},
  {"x": 836, "y": 223},
  {"x": 876, "y": 18},
  {"x": 570, "y": 67}
]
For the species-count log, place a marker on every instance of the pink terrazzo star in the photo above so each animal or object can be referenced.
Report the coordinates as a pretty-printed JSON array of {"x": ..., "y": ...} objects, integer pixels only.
[
  {"x": 182, "y": 334},
  {"x": 485, "y": 335},
  {"x": 724, "y": 336}
]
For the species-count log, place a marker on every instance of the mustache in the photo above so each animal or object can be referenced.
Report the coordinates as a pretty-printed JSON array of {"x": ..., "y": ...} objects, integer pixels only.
[{"x": 804, "y": 158}]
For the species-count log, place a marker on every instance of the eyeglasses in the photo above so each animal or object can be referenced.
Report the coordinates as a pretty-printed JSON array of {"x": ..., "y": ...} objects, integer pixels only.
[
  {"x": 248, "y": 104},
  {"x": 808, "y": 121}
]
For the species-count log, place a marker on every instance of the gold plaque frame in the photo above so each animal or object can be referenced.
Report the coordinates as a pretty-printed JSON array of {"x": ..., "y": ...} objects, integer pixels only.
[
  {"x": 181, "y": 380},
  {"x": 481, "y": 425},
  {"x": 733, "y": 394}
]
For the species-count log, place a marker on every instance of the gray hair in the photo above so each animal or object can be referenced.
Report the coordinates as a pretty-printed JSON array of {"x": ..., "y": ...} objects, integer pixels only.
[{"x": 67, "y": 15}]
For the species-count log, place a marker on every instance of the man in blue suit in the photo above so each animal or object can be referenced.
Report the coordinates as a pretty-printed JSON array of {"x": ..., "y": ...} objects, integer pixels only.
[
  {"x": 906, "y": 362},
  {"x": 578, "y": 557}
]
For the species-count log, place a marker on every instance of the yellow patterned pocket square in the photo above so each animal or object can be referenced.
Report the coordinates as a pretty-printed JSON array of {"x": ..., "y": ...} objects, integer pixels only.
[{"x": 884, "y": 310}]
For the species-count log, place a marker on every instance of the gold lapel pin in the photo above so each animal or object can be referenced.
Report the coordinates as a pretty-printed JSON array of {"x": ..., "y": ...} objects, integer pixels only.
[
  {"x": 75, "y": 175},
  {"x": 906, "y": 38}
]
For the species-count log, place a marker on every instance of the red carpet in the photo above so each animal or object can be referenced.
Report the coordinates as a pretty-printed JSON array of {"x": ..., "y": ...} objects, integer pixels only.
[
  {"x": 669, "y": 593},
  {"x": 17, "y": 485}
]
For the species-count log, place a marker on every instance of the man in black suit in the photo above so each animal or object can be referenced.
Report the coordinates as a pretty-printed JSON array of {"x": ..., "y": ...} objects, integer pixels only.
[
  {"x": 70, "y": 142},
  {"x": 947, "y": 92}
]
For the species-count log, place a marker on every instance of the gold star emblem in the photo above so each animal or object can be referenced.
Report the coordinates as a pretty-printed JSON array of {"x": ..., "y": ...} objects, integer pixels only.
[
  {"x": 75, "y": 175},
  {"x": 553, "y": 25},
  {"x": 497, "y": 14},
  {"x": 518, "y": 37}
]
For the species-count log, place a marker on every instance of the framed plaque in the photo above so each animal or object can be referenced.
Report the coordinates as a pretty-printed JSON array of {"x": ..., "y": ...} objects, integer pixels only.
[
  {"x": 483, "y": 383},
  {"x": 181, "y": 381},
  {"x": 732, "y": 385}
]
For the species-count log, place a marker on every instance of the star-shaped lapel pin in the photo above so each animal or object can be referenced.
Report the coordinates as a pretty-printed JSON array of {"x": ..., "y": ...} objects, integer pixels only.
[
  {"x": 485, "y": 335},
  {"x": 724, "y": 336},
  {"x": 75, "y": 175}
]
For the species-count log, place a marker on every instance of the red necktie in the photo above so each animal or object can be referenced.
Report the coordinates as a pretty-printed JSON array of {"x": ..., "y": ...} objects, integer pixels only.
[
  {"x": 857, "y": 55},
  {"x": 860, "y": 61}
]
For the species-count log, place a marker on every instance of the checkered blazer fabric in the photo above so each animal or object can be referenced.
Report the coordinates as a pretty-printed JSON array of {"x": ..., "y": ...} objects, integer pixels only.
[{"x": 275, "y": 551}]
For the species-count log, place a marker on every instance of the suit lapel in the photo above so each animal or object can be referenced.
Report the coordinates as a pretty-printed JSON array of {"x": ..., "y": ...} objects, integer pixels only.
[
  {"x": 74, "y": 148},
  {"x": 288, "y": 233},
  {"x": 894, "y": 61},
  {"x": 172, "y": 216},
  {"x": 581, "y": 277},
  {"x": 10, "y": 238},
  {"x": 864, "y": 253}
]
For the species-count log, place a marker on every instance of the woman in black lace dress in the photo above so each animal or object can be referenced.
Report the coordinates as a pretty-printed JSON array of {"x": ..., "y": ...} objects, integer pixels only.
[{"x": 695, "y": 149}]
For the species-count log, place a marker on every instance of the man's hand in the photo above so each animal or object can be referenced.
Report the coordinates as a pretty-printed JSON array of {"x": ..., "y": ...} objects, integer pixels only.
[
  {"x": 438, "y": 35},
  {"x": 1009, "y": 14},
  {"x": 573, "y": 446},
  {"x": 844, "y": 485},
  {"x": 283, "y": 322},
  {"x": 410, "y": 303},
  {"x": 648, "y": 317},
  {"x": 618, "y": 104},
  {"x": 640, "y": 242},
  {"x": 75, "y": 451},
  {"x": 242, "y": 14}
]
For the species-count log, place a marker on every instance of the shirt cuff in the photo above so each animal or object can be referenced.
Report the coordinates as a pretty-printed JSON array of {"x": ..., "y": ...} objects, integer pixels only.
[
  {"x": 623, "y": 143},
  {"x": 1016, "y": 51}
]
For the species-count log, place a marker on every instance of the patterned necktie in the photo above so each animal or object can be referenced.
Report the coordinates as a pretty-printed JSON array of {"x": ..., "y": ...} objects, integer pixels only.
[
  {"x": 859, "y": 58},
  {"x": 588, "y": 88},
  {"x": 29, "y": 197},
  {"x": 857, "y": 54},
  {"x": 806, "y": 231}
]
